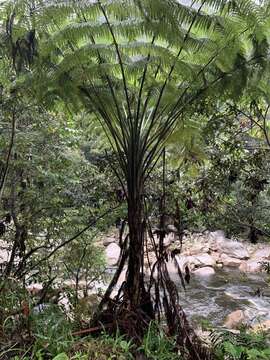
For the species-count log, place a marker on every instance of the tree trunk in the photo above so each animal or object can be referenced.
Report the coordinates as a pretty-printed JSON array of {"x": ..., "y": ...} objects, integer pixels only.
[{"x": 135, "y": 264}]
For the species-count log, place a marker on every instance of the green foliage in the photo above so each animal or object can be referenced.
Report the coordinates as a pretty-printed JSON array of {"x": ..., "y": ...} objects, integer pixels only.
[
  {"x": 105, "y": 347},
  {"x": 205, "y": 324},
  {"x": 245, "y": 345},
  {"x": 13, "y": 297},
  {"x": 61, "y": 356},
  {"x": 157, "y": 346},
  {"x": 52, "y": 331},
  {"x": 228, "y": 186},
  {"x": 112, "y": 66}
]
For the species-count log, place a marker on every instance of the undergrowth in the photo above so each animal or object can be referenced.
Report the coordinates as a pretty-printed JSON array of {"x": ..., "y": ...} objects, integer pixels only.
[
  {"x": 243, "y": 346},
  {"x": 46, "y": 333}
]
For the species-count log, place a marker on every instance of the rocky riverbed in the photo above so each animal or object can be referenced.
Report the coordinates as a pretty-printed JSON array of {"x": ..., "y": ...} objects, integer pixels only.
[
  {"x": 203, "y": 253},
  {"x": 228, "y": 286}
]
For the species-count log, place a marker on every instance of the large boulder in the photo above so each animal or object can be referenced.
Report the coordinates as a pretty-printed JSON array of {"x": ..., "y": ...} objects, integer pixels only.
[
  {"x": 171, "y": 267},
  {"x": 215, "y": 255},
  {"x": 231, "y": 248},
  {"x": 205, "y": 271},
  {"x": 229, "y": 261},
  {"x": 194, "y": 262},
  {"x": 169, "y": 239},
  {"x": 184, "y": 261},
  {"x": 198, "y": 249},
  {"x": 262, "y": 254},
  {"x": 236, "y": 319},
  {"x": 250, "y": 266},
  {"x": 112, "y": 254},
  {"x": 204, "y": 260}
]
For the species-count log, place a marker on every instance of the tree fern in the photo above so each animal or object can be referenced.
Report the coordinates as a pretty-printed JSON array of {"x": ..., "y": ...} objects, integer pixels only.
[{"x": 138, "y": 65}]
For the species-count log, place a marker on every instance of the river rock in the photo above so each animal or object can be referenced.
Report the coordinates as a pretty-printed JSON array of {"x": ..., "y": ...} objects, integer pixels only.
[
  {"x": 205, "y": 260},
  {"x": 69, "y": 283},
  {"x": 4, "y": 256},
  {"x": 172, "y": 228},
  {"x": 184, "y": 261},
  {"x": 262, "y": 254},
  {"x": 171, "y": 267},
  {"x": 215, "y": 237},
  {"x": 108, "y": 240},
  {"x": 205, "y": 271},
  {"x": 191, "y": 261},
  {"x": 236, "y": 319},
  {"x": 198, "y": 249},
  {"x": 112, "y": 254},
  {"x": 229, "y": 261},
  {"x": 250, "y": 266},
  {"x": 181, "y": 261},
  {"x": 232, "y": 248},
  {"x": 215, "y": 255}
]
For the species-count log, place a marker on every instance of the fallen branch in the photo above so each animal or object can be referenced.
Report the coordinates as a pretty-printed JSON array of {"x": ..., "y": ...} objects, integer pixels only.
[{"x": 91, "y": 330}]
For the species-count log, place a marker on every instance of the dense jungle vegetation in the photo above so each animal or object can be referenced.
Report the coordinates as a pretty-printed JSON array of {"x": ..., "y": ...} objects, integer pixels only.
[{"x": 128, "y": 127}]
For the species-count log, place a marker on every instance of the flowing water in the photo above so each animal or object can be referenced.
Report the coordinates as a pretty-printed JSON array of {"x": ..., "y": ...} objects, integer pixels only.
[{"x": 215, "y": 296}]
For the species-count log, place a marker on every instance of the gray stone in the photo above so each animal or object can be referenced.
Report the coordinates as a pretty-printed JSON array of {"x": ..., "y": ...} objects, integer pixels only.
[
  {"x": 230, "y": 261},
  {"x": 236, "y": 319},
  {"x": 172, "y": 229},
  {"x": 112, "y": 254},
  {"x": 262, "y": 254},
  {"x": 108, "y": 240},
  {"x": 250, "y": 266},
  {"x": 232, "y": 248},
  {"x": 205, "y": 260},
  {"x": 205, "y": 271}
]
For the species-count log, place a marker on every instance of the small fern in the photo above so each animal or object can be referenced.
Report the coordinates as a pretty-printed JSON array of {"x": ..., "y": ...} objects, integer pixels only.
[{"x": 242, "y": 346}]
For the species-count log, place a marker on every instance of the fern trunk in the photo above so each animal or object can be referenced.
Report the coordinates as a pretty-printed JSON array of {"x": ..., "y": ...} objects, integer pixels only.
[{"x": 135, "y": 262}]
